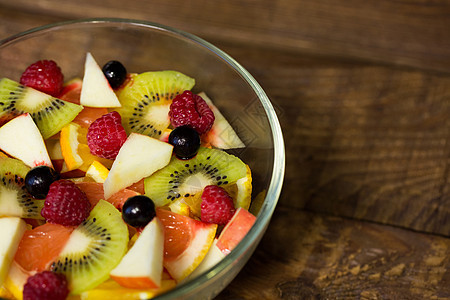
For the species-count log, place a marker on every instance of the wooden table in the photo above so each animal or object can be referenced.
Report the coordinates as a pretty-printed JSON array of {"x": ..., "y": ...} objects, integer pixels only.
[{"x": 362, "y": 89}]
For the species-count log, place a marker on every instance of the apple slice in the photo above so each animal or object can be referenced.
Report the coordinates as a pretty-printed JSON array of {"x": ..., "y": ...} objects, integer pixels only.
[
  {"x": 11, "y": 231},
  {"x": 139, "y": 157},
  {"x": 235, "y": 230},
  {"x": 96, "y": 91},
  {"x": 142, "y": 266},
  {"x": 22, "y": 130},
  {"x": 221, "y": 135},
  {"x": 213, "y": 256}
]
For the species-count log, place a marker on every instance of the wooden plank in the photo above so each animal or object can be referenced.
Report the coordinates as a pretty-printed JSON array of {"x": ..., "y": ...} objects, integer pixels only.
[
  {"x": 313, "y": 256},
  {"x": 413, "y": 33},
  {"x": 362, "y": 140}
]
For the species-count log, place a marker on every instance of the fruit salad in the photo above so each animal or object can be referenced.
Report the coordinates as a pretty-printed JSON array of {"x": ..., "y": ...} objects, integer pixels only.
[{"x": 114, "y": 185}]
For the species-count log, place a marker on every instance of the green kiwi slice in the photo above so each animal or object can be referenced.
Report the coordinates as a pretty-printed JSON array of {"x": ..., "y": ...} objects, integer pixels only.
[
  {"x": 49, "y": 113},
  {"x": 185, "y": 178},
  {"x": 94, "y": 248},
  {"x": 146, "y": 99},
  {"x": 15, "y": 201}
]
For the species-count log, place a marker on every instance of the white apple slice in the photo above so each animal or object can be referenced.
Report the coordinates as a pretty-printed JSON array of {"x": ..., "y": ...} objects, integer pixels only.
[
  {"x": 139, "y": 157},
  {"x": 96, "y": 91},
  {"x": 235, "y": 230},
  {"x": 221, "y": 135},
  {"x": 20, "y": 131},
  {"x": 142, "y": 266},
  {"x": 11, "y": 232},
  {"x": 211, "y": 258}
]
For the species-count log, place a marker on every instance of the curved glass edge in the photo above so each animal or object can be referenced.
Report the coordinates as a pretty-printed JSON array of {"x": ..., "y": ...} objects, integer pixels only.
[{"x": 278, "y": 171}]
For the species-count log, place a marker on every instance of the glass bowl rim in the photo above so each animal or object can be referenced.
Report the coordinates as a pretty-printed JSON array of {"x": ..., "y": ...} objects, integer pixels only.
[{"x": 278, "y": 169}]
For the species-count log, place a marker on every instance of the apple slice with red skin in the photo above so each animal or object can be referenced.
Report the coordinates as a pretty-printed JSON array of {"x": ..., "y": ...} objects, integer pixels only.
[{"x": 235, "y": 230}]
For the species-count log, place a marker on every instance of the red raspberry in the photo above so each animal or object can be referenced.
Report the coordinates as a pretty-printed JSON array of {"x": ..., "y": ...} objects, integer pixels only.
[
  {"x": 190, "y": 109},
  {"x": 217, "y": 206},
  {"x": 106, "y": 135},
  {"x": 46, "y": 285},
  {"x": 66, "y": 204},
  {"x": 44, "y": 76}
]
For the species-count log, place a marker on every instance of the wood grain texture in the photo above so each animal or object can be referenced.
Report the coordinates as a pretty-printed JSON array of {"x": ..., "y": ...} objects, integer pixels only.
[
  {"x": 410, "y": 32},
  {"x": 313, "y": 256},
  {"x": 362, "y": 140}
]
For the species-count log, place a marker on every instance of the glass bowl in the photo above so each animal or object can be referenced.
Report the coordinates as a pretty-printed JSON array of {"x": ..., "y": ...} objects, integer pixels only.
[{"x": 143, "y": 46}]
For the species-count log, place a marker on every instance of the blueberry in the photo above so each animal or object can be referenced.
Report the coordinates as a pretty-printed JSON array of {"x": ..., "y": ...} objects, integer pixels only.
[
  {"x": 185, "y": 141},
  {"x": 138, "y": 211},
  {"x": 39, "y": 179},
  {"x": 115, "y": 72}
]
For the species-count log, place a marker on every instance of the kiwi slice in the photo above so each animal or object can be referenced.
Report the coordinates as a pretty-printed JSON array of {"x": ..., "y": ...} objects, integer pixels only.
[
  {"x": 49, "y": 113},
  {"x": 185, "y": 178},
  {"x": 94, "y": 248},
  {"x": 15, "y": 201},
  {"x": 146, "y": 100}
]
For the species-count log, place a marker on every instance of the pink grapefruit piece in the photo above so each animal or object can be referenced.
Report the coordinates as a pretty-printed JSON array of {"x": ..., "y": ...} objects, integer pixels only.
[
  {"x": 40, "y": 246},
  {"x": 186, "y": 242},
  {"x": 235, "y": 230}
]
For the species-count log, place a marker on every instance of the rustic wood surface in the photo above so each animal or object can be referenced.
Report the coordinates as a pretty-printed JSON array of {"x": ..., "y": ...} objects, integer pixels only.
[{"x": 362, "y": 89}]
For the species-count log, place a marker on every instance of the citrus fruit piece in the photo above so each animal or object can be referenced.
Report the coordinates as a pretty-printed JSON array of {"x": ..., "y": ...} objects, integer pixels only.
[
  {"x": 97, "y": 172},
  {"x": 180, "y": 207},
  {"x": 41, "y": 245},
  {"x": 186, "y": 242},
  {"x": 94, "y": 192},
  {"x": 75, "y": 150},
  {"x": 15, "y": 280},
  {"x": 71, "y": 91},
  {"x": 89, "y": 115},
  {"x": 111, "y": 290}
]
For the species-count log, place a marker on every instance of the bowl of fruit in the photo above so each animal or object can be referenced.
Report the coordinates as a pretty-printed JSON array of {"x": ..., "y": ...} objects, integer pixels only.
[{"x": 137, "y": 161}]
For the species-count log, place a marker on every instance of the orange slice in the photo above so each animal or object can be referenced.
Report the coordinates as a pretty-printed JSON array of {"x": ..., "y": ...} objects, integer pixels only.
[
  {"x": 75, "y": 150},
  {"x": 111, "y": 290},
  {"x": 40, "y": 246},
  {"x": 97, "y": 172},
  {"x": 186, "y": 242}
]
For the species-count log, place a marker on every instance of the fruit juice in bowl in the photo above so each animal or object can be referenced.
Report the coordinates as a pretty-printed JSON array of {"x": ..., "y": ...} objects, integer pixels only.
[{"x": 137, "y": 162}]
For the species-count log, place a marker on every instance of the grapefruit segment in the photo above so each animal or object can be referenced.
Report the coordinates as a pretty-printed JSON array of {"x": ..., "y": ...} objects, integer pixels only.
[
  {"x": 41, "y": 245},
  {"x": 94, "y": 192},
  {"x": 186, "y": 242}
]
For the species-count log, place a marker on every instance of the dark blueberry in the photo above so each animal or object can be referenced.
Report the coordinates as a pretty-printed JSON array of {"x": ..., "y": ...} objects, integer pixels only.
[
  {"x": 39, "y": 179},
  {"x": 185, "y": 141},
  {"x": 115, "y": 72},
  {"x": 138, "y": 211}
]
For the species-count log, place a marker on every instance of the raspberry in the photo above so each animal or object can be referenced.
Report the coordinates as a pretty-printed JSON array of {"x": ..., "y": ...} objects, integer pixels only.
[
  {"x": 65, "y": 204},
  {"x": 106, "y": 135},
  {"x": 44, "y": 76},
  {"x": 46, "y": 285},
  {"x": 217, "y": 206},
  {"x": 190, "y": 109}
]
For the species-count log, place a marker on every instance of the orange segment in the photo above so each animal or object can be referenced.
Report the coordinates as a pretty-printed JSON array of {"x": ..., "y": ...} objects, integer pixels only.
[
  {"x": 186, "y": 242},
  {"x": 111, "y": 290},
  {"x": 75, "y": 150},
  {"x": 40, "y": 246},
  {"x": 97, "y": 172}
]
